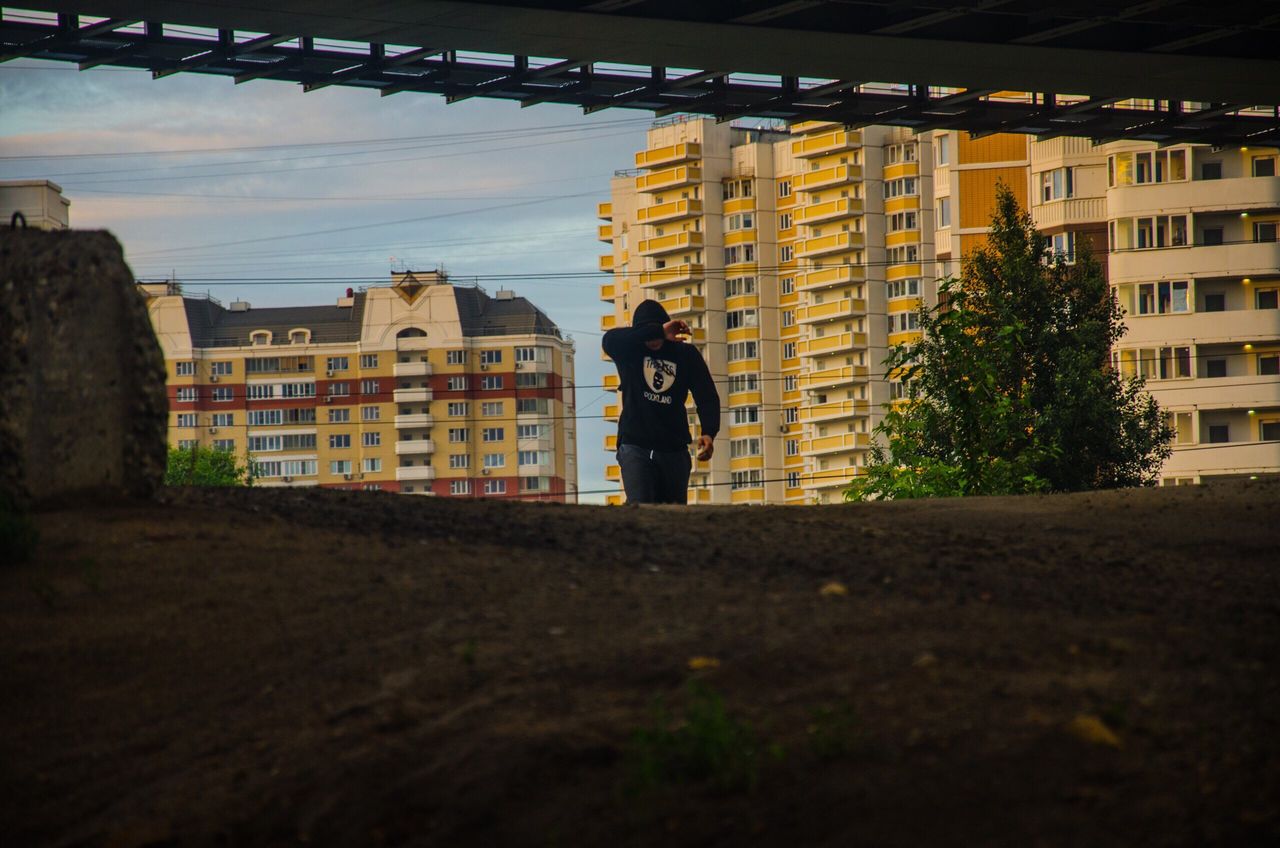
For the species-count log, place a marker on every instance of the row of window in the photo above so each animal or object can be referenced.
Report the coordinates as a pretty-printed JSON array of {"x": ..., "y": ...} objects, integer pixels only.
[
  {"x": 459, "y": 461},
  {"x": 1174, "y": 362}
]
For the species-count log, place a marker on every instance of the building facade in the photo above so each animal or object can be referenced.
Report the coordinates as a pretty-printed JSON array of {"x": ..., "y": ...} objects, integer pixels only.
[
  {"x": 419, "y": 387},
  {"x": 39, "y": 202}
]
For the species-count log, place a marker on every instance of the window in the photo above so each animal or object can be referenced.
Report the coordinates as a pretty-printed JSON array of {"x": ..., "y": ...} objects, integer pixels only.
[
  {"x": 266, "y": 417},
  {"x": 739, "y": 253},
  {"x": 788, "y": 318},
  {"x": 371, "y": 440},
  {"x": 744, "y": 383},
  {"x": 791, "y": 415},
  {"x": 371, "y": 465},
  {"x": 1215, "y": 303},
  {"x": 532, "y": 431},
  {"x": 902, "y": 221},
  {"x": 1265, "y": 230},
  {"x": 897, "y": 390},
  {"x": 750, "y": 479},
  {"x": 789, "y": 383},
  {"x": 459, "y": 487},
  {"x": 1140, "y": 168},
  {"x": 459, "y": 460},
  {"x": 222, "y": 393},
  {"x": 788, "y": 350},
  {"x": 784, "y": 188},
  {"x": 260, "y": 337},
  {"x": 746, "y": 415},
  {"x": 259, "y": 391},
  {"x": 491, "y": 383},
  {"x": 736, "y": 188},
  {"x": 370, "y": 413},
  {"x": 784, "y": 221},
  {"x": 532, "y": 406},
  {"x": 495, "y": 487},
  {"x": 531, "y": 354},
  {"x": 368, "y": 360},
  {"x": 1180, "y": 422},
  {"x": 742, "y": 350},
  {"x": 793, "y": 447},
  {"x": 457, "y": 384},
  {"x": 495, "y": 460},
  {"x": 744, "y": 447},
  {"x": 190, "y": 444},
  {"x": 1264, "y": 166},
  {"x": 901, "y": 187},
  {"x": 459, "y": 434},
  {"x": 339, "y": 440},
  {"x": 224, "y": 419},
  {"x": 341, "y": 389},
  {"x": 220, "y": 369},
  {"x": 944, "y": 212},
  {"x": 1269, "y": 431},
  {"x": 793, "y": 479},
  {"x": 458, "y": 408},
  {"x": 533, "y": 457},
  {"x": 737, "y": 318},
  {"x": 265, "y": 444},
  {"x": 369, "y": 387},
  {"x": 1266, "y": 298},
  {"x": 490, "y": 357},
  {"x": 1062, "y": 246},
  {"x": 1219, "y": 434},
  {"x": 740, "y": 221},
  {"x": 1269, "y": 364},
  {"x": 492, "y": 434},
  {"x": 526, "y": 380},
  {"x": 225, "y": 445},
  {"x": 491, "y": 408},
  {"x": 336, "y": 363},
  {"x": 736, "y": 286},
  {"x": 788, "y": 285},
  {"x": 455, "y": 357},
  {"x": 1210, "y": 170},
  {"x": 340, "y": 466},
  {"x": 786, "y": 253},
  {"x": 187, "y": 394},
  {"x": 1215, "y": 368},
  {"x": 304, "y": 390},
  {"x": 188, "y": 419},
  {"x": 902, "y": 288},
  {"x": 185, "y": 369},
  {"x": 339, "y": 416},
  {"x": 902, "y": 254},
  {"x": 1212, "y": 236},
  {"x": 901, "y": 322},
  {"x": 1058, "y": 184},
  {"x": 942, "y": 149}
]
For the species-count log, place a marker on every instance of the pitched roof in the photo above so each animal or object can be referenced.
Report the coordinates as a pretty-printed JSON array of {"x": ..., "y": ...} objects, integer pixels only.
[
  {"x": 213, "y": 325},
  {"x": 482, "y": 315}
]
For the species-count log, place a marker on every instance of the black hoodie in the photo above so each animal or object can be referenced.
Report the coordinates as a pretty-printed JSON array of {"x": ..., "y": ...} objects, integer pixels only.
[{"x": 655, "y": 383}]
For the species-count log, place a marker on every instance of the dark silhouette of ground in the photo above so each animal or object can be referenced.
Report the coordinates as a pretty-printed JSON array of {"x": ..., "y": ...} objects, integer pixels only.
[{"x": 260, "y": 667}]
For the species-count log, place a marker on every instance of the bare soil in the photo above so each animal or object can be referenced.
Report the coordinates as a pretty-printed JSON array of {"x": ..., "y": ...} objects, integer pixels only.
[{"x": 257, "y": 667}]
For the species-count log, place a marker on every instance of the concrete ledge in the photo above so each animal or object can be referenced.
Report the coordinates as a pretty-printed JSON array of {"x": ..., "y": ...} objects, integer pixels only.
[{"x": 82, "y": 401}]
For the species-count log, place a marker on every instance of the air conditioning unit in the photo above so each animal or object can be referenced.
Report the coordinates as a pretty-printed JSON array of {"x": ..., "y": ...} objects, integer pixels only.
[
  {"x": 213, "y": 378},
  {"x": 346, "y": 476},
  {"x": 484, "y": 471},
  {"x": 328, "y": 398},
  {"x": 329, "y": 373},
  {"x": 287, "y": 479},
  {"x": 484, "y": 366},
  {"x": 213, "y": 429}
]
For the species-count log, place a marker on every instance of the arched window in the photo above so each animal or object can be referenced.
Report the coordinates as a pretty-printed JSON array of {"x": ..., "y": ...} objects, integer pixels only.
[
  {"x": 411, "y": 333},
  {"x": 300, "y": 336},
  {"x": 260, "y": 337}
]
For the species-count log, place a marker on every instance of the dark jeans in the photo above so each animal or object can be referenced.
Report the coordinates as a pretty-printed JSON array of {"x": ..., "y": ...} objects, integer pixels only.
[{"x": 654, "y": 476}]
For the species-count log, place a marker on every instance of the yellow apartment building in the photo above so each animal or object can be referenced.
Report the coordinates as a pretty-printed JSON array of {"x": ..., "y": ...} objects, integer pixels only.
[{"x": 419, "y": 386}]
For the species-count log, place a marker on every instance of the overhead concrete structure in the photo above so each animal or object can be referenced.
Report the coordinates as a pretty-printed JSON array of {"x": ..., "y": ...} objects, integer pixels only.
[{"x": 1158, "y": 70}]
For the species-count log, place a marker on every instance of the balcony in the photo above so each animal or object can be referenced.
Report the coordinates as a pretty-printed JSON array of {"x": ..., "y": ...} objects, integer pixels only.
[
  {"x": 606, "y": 262},
  {"x": 669, "y": 155},
  {"x": 608, "y": 292},
  {"x": 1178, "y": 263},
  {"x": 1241, "y": 325},
  {"x": 421, "y": 368},
  {"x": 1228, "y": 458},
  {"x": 417, "y": 395},
  {"x": 604, "y": 211},
  {"x": 836, "y": 310},
  {"x": 613, "y": 473},
  {"x": 832, "y": 377},
  {"x": 612, "y": 411},
  {"x": 685, "y": 273},
  {"x": 831, "y": 210},
  {"x": 834, "y": 410},
  {"x": 611, "y": 442},
  {"x": 1068, "y": 213},
  {"x": 824, "y": 143},
  {"x": 1232, "y": 195},
  {"x": 827, "y": 278},
  {"x": 614, "y": 500},
  {"x": 838, "y": 443},
  {"x": 417, "y": 419},
  {"x": 670, "y": 211},
  {"x": 608, "y": 322},
  {"x": 1245, "y": 392},
  {"x": 829, "y": 478},
  {"x": 415, "y": 472},
  {"x": 611, "y": 382},
  {"x": 670, "y": 178},
  {"x": 415, "y": 446},
  {"x": 604, "y": 233},
  {"x": 836, "y": 343},
  {"x": 674, "y": 243},
  {"x": 689, "y": 304},
  {"x": 827, "y": 177},
  {"x": 827, "y": 245}
]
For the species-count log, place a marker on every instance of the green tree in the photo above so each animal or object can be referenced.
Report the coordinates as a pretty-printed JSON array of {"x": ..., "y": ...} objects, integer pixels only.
[
  {"x": 1011, "y": 390},
  {"x": 199, "y": 466}
]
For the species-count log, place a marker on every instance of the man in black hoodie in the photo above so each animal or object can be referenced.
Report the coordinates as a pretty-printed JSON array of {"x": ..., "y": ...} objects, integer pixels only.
[{"x": 657, "y": 370}]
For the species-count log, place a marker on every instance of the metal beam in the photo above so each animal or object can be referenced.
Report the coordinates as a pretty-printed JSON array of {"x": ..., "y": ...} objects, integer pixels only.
[{"x": 201, "y": 60}]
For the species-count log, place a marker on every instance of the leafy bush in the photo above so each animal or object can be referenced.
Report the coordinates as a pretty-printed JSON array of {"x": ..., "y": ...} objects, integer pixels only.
[{"x": 199, "y": 466}]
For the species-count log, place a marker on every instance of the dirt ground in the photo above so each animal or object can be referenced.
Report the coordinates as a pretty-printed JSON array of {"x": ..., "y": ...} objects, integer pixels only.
[{"x": 257, "y": 667}]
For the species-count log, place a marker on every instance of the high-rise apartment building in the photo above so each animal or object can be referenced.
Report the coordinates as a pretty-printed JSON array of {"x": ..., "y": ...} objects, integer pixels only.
[{"x": 419, "y": 386}]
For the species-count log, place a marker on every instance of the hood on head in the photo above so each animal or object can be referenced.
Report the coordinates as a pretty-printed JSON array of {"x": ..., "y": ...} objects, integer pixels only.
[{"x": 649, "y": 312}]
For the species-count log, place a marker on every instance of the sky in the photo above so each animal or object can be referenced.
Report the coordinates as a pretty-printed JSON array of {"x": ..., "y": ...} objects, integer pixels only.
[{"x": 256, "y": 191}]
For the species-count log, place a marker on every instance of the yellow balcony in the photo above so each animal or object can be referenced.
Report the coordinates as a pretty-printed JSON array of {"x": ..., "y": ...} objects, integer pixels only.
[
  {"x": 606, "y": 262},
  {"x": 838, "y": 443},
  {"x": 611, "y": 382},
  {"x": 612, "y": 411},
  {"x": 827, "y": 177},
  {"x": 812, "y": 126},
  {"x": 682, "y": 175},
  {"x": 674, "y": 243},
  {"x": 826, "y": 245},
  {"x": 845, "y": 307},
  {"x": 835, "y": 343},
  {"x": 613, "y": 473},
  {"x": 669, "y": 155},
  {"x": 697, "y": 334},
  {"x": 830, "y": 277},
  {"x": 830, "y": 378},
  {"x": 608, "y": 322},
  {"x": 834, "y": 410},
  {"x": 685, "y": 273},
  {"x": 611, "y": 442},
  {"x": 827, "y": 142},
  {"x": 688, "y": 304},
  {"x": 614, "y": 500},
  {"x": 605, "y": 232},
  {"x": 608, "y": 292},
  {"x": 739, "y": 204},
  {"x": 670, "y": 211},
  {"x": 832, "y": 478},
  {"x": 841, "y": 207},
  {"x": 605, "y": 211}
]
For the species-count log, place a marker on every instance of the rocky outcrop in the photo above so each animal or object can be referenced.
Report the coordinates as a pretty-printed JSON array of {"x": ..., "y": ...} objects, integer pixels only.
[{"x": 82, "y": 380}]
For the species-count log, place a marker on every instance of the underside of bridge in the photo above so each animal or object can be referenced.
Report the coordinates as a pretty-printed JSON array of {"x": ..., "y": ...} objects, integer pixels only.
[{"x": 1160, "y": 70}]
